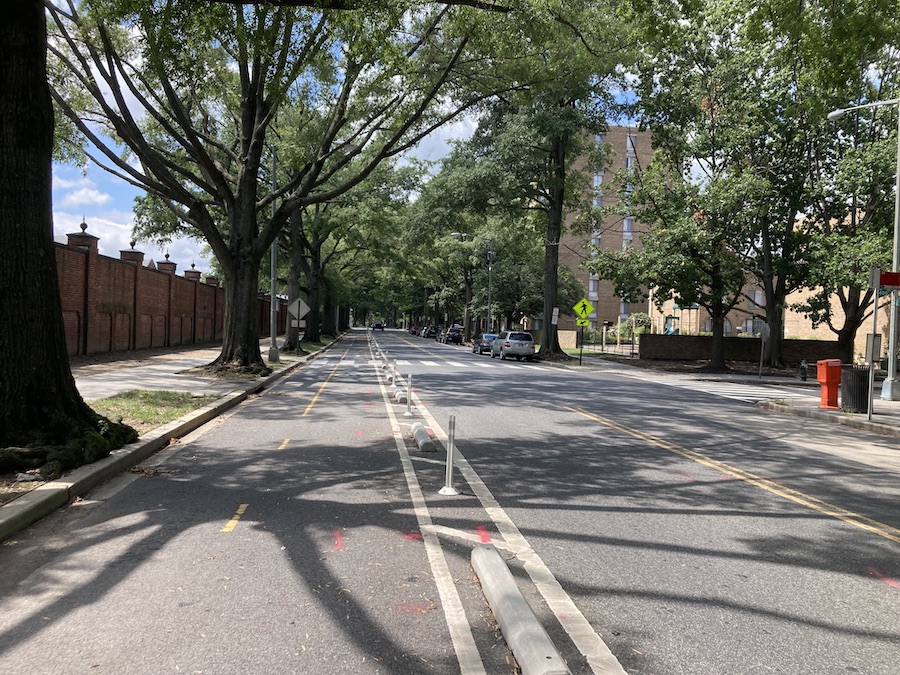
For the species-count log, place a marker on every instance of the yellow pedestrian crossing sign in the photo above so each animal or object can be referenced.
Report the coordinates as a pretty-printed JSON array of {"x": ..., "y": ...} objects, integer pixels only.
[
  {"x": 582, "y": 322},
  {"x": 583, "y": 308}
]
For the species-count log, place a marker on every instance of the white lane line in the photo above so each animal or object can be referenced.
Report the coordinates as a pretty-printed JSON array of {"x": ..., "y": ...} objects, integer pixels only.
[
  {"x": 467, "y": 654},
  {"x": 583, "y": 635},
  {"x": 429, "y": 363},
  {"x": 457, "y": 364},
  {"x": 403, "y": 362}
]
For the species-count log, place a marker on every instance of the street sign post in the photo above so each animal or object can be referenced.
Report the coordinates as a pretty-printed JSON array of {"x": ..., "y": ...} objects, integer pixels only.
[
  {"x": 583, "y": 309},
  {"x": 298, "y": 308}
]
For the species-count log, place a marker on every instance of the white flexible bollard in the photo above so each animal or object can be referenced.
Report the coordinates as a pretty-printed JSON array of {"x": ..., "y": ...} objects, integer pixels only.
[{"x": 448, "y": 488}]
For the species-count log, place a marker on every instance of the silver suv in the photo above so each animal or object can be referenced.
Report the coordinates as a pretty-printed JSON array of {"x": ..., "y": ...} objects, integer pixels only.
[{"x": 513, "y": 343}]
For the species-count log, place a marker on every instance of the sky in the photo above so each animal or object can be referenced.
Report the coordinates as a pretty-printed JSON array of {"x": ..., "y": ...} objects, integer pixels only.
[{"x": 105, "y": 203}]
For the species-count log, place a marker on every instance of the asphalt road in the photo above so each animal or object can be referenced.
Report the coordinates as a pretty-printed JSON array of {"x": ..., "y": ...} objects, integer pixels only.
[
  {"x": 695, "y": 533},
  {"x": 683, "y": 532}
]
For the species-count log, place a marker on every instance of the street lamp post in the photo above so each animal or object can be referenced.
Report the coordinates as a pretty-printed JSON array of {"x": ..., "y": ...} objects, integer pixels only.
[
  {"x": 490, "y": 325},
  {"x": 890, "y": 390}
]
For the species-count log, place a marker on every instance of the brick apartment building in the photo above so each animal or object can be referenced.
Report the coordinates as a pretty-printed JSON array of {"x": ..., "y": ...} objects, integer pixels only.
[{"x": 628, "y": 147}]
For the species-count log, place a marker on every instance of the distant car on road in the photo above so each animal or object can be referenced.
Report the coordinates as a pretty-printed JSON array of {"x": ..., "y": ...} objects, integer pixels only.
[
  {"x": 513, "y": 343},
  {"x": 429, "y": 332},
  {"x": 378, "y": 325},
  {"x": 452, "y": 336},
  {"x": 482, "y": 344}
]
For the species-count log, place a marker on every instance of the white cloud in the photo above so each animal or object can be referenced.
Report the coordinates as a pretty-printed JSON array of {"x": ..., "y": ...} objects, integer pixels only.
[
  {"x": 85, "y": 196},
  {"x": 60, "y": 183},
  {"x": 114, "y": 234}
]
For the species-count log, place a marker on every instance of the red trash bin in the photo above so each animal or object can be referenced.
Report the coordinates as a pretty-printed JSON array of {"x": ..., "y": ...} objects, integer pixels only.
[{"x": 828, "y": 375}]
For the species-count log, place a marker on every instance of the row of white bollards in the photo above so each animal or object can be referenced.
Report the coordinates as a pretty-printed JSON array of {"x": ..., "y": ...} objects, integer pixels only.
[{"x": 402, "y": 392}]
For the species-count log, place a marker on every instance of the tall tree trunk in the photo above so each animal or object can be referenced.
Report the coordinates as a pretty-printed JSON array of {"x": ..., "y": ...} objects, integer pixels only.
[
  {"x": 240, "y": 339},
  {"x": 854, "y": 307},
  {"x": 294, "y": 248},
  {"x": 39, "y": 402},
  {"x": 549, "y": 339},
  {"x": 312, "y": 270},
  {"x": 717, "y": 351}
]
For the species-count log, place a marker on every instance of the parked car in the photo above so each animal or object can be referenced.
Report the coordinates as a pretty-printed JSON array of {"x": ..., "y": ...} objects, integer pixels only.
[
  {"x": 482, "y": 344},
  {"x": 513, "y": 343},
  {"x": 452, "y": 336},
  {"x": 429, "y": 332}
]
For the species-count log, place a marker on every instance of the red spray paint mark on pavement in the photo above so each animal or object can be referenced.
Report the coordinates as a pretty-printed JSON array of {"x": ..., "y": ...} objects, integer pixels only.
[
  {"x": 413, "y": 536},
  {"x": 338, "y": 540},
  {"x": 359, "y": 432},
  {"x": 367, "y": 404},
  {"x": 883, "y": 577},
  {"x": 483, "y": 534},
  {"x": 413, "y": 608},
  {"x": 685, "y": 477}
]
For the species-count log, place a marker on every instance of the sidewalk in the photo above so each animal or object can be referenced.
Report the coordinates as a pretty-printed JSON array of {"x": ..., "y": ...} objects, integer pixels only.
[
  {"x": 161, "y": 371},
  {"x": 885, "y": 414}
]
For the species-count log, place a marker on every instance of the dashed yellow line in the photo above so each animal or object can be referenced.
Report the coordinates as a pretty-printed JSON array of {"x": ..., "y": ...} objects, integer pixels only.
[
  {"x": 810, "y": 502},
  {"x": 234, "y": 521},
  {"x": 330, "y": 375},
  {"x": 284, "y": 444}
]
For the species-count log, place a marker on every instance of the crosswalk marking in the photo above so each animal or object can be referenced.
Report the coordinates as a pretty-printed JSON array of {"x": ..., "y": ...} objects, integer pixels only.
[{"x": 749, "y": 393}]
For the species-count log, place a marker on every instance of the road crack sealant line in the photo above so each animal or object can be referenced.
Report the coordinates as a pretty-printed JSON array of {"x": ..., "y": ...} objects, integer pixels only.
[
  {"x": 801, "y": 498},
  {"x": 599, "y": 657},
  {"x": 467, "y": 653}
]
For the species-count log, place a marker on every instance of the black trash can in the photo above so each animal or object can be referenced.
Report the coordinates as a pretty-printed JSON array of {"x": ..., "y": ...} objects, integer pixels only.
[{"x": 855, "y": 388}]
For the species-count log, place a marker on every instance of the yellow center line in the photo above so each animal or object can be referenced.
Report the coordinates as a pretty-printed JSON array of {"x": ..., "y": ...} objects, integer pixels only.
[
  {"x": 330, "y": 375},
  {"x": 810, "y": 502},
  {"x": 234, "y": 521},
  {"x": 284, "y": 444}
]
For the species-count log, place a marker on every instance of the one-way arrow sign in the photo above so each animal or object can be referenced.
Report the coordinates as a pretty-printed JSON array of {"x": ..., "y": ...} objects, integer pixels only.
[{"x": 298, "y": 309}]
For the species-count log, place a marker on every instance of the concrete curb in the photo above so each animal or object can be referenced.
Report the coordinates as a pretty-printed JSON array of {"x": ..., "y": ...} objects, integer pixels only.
[
  {"x": 423, "y": 439},
  {"x": 852, "y": 420},
  {"x": 530, "y": 644},
  {"x": 42, "y": 501}
]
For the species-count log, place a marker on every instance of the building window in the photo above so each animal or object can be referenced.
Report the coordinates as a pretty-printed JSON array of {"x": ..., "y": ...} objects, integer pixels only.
[
  {"x": 708, "y": 326},
  {"x": 593, "y": 289},
  {"x": 757, "y": 297},
  {"x": 627, "y": 232},
  {"x": 631, "y": 150},
  {"x": 599, "y": 139},
  {"x": 598, "y": 190},
  {"x": 753, "y": 326},
  {"x": 595, "y": 243},
  {"x": 629, "y": 161}
]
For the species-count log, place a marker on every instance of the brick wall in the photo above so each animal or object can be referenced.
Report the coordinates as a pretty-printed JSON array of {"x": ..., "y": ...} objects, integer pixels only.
[
  {"x": 117, "y": 305},
  {"x": 697, "y": 347}
]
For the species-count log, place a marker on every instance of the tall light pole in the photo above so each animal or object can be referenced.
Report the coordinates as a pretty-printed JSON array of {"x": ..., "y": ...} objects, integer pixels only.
[
  {"x": 890, "y": 390},
  {"x": 490, "y": 325}
]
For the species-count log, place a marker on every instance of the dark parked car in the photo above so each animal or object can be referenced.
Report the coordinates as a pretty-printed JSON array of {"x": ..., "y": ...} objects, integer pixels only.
[
  {"x": 378, "y": 325},
  {"x": 452, "y": 336},
  {"x": 429, "y": 332},
  {"x": 513, "y": 343},
  {"x": 482, "y": 344}
]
